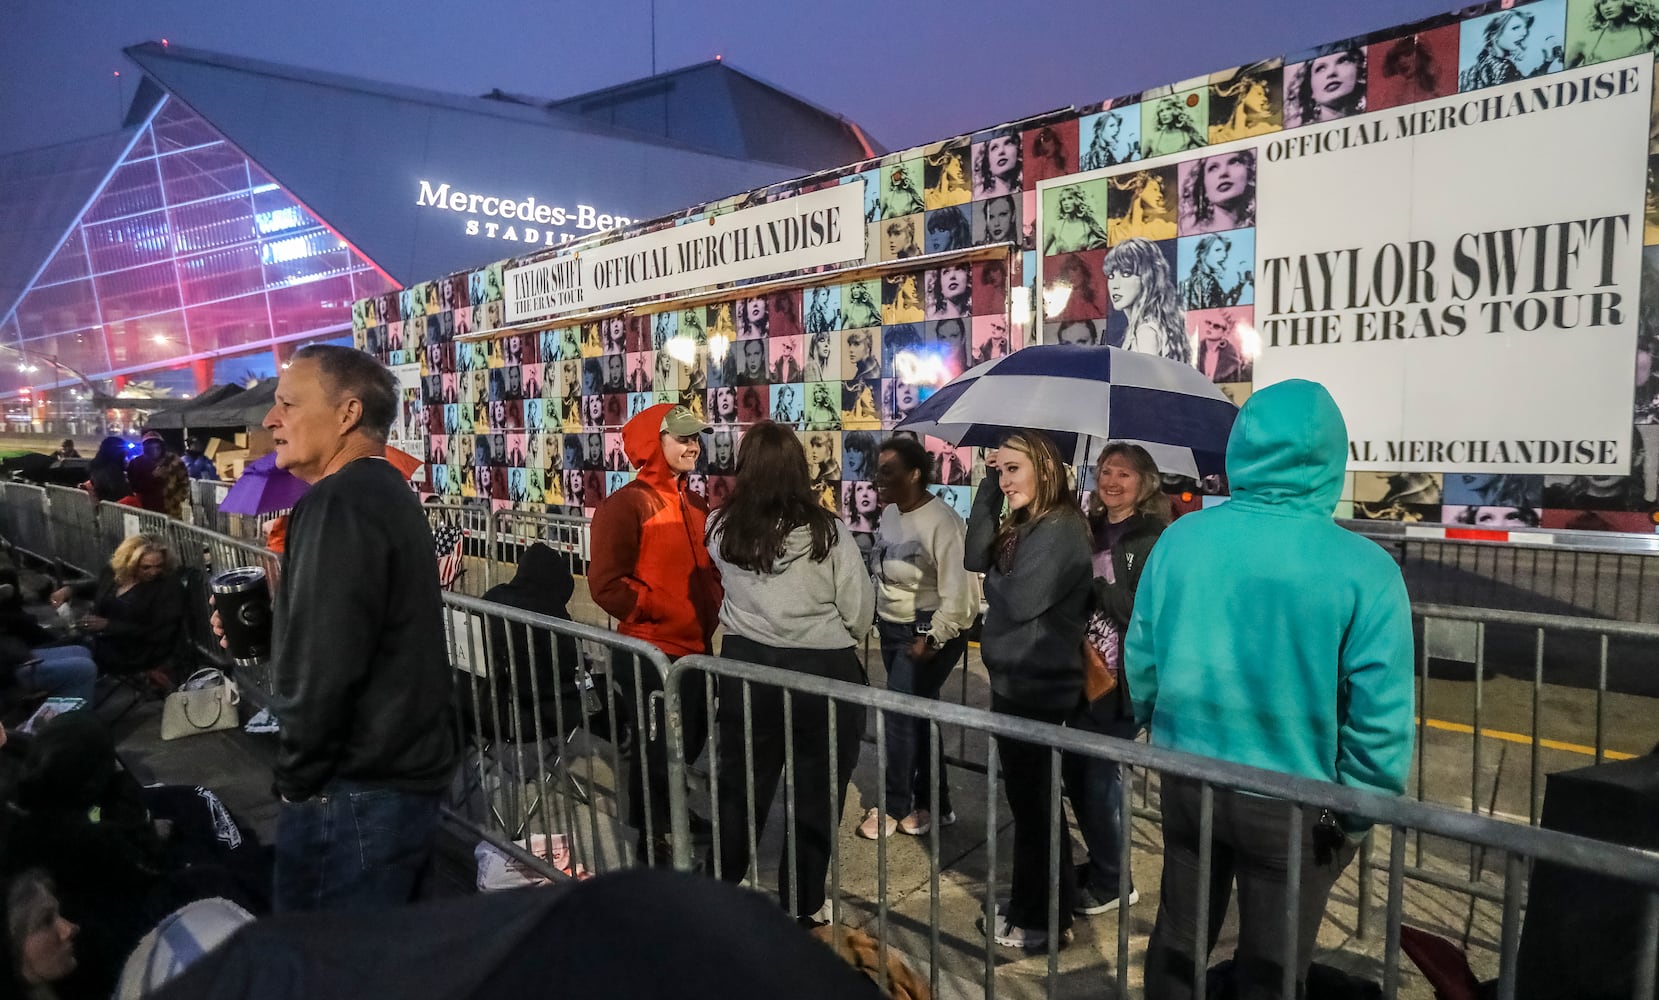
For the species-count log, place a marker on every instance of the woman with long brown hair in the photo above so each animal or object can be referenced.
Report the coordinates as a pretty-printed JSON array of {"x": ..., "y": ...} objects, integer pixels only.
[
  {"x": 798, "y": 597},
  {"x": 1027, "y": 536}
]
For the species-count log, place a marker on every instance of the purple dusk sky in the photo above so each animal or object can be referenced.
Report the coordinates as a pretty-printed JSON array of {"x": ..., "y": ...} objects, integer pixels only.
[{"x": 908, "y": 72}]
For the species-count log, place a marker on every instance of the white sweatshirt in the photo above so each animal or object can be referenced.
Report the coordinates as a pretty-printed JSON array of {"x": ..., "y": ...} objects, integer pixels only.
[{"x": 918, "y": 568}]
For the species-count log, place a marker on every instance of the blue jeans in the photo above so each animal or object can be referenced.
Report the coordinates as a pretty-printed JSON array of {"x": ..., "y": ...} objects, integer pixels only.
[
  {"x": 1092, "y": 785},
  {"x": 63, "y": 672},
  {"x": 909, "y": 778},
  {"x": 353, "y": 846}
]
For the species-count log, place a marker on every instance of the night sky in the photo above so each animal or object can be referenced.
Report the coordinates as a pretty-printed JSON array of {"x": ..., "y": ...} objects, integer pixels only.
[{"x": 908, "y": 72}]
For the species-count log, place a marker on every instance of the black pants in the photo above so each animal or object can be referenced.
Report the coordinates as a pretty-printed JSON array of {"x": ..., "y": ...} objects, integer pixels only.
[
  {"x": 1025, "y": 780},
  {"x": 810, "y": 816},
  {"x": 648, "y": 765},
  {"x": 1249, "y": 841}
]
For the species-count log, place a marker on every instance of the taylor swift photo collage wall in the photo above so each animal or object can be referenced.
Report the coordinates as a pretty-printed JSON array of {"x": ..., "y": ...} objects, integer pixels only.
[{"x": 1148, "y": 243}]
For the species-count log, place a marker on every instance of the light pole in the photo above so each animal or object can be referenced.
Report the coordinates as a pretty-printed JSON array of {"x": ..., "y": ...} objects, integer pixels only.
[{"x": 28, "y": 367}]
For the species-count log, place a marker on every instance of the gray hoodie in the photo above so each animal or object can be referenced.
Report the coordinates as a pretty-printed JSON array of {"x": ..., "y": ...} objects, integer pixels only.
[{"x": 801, "y": 603}]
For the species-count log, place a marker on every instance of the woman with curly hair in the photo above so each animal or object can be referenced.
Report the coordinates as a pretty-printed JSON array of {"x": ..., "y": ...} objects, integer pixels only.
[
  {"x": 1326, "y": 88},
  {"x": 998, "y": 163},
  {"x": 1252, "y": 107},
  {"x": 1148, "y": 214},
  {"x": 1139, "y": 286},
  {"x": 137, "y": 608},
  {"x": 1219, "y": 193},
  {"x": 1616, "y": 28}
]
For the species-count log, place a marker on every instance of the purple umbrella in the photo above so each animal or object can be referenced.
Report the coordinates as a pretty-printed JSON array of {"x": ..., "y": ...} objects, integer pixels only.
[{"x": 262, "y": 489}]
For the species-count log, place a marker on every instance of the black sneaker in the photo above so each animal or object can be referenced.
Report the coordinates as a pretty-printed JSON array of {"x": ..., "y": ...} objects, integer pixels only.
[{"x": 1092, "y": 902}]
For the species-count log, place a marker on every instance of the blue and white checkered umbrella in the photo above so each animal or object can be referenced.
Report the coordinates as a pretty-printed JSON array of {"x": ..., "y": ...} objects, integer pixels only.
[{"x": 1072, "y": 390}]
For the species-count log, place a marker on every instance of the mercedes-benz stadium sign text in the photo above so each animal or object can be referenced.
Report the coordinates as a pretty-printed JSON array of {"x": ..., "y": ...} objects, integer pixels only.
[{"x": 519, "y": 220}]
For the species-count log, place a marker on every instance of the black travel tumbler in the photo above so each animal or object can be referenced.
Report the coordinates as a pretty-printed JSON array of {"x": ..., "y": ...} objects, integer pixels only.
[{"x": 244, "y": 607}]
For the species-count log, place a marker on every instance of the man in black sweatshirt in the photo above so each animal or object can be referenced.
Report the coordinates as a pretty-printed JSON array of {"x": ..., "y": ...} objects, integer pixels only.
[{"x": 360, "y": 680}]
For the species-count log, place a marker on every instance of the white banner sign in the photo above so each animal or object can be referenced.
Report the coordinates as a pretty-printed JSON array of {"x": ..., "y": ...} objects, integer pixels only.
[
  {"x": 1463, "y": 274},
  {"x": 810, "y": 230}
]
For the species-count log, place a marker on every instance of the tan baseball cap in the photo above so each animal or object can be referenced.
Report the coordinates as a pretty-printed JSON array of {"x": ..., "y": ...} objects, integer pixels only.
[{"x": 682, "y": 422}]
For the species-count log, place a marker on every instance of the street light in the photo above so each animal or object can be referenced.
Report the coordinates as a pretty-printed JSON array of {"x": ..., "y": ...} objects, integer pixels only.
[{"x": 28, "y": 367}]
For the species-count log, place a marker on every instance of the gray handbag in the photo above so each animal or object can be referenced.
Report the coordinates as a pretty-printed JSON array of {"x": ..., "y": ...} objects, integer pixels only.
[{"x": 203, "y": 704}]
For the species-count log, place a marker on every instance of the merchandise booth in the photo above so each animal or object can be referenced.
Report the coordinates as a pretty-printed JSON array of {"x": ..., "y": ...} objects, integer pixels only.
[{"x": 1447, "y": 224}]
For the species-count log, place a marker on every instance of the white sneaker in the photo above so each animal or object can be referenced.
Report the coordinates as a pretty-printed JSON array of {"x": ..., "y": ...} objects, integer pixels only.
[
  {"x": 919, "y": 822},
  {"x": 823, "y": 916},
  {"x": 876, "y": 826}
]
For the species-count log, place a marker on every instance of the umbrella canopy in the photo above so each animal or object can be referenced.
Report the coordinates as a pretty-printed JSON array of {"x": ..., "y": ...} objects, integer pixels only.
[
  {"x": 1077, "y": 391},
  {"x": 176, "y": 414},
  {"x": 643, "y": 934},
  {"x": 243, "y": 409},
  {"x": 263, "y": 489}
]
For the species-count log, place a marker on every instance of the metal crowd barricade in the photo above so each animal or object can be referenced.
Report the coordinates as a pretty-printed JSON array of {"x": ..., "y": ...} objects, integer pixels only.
[
  {"x": 1397, "y": 821},
  {"x": 71, "y": 516},
  {"x": 515, "y": 530},
  {"x": 1603, "y": 574},
  {"x": 1581, "y": 665},
  {"x": 533, "y": 693},
  {"x": 23, "y": 518},
  {"x": 477, "y": 527}
]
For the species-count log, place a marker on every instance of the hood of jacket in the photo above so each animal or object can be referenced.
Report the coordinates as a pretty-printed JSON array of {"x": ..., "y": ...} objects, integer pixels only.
[
  {"x": 543, "y": 583},
  {"x": 71, "y": 763},
  {"x": 642, "y": 443},
  {"x": 1288, "y": 450}
]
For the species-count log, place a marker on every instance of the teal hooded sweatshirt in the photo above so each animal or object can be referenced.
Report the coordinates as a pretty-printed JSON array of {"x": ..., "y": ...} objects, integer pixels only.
[{"x": 1266, "y": 634}]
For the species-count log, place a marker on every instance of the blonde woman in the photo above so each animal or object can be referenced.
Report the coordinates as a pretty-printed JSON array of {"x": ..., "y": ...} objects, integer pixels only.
[
  {"x": 137, "y": 608},
  {"x": 1027, "y": 536},
  {"x": 1127, "y": 513}
]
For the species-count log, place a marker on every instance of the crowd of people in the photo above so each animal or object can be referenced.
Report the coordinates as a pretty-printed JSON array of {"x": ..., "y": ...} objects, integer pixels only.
[
  {"x": 1294, "y": 654},
  {"x": 1095, "y": 617},
  {"x": 156, "y": 479}
]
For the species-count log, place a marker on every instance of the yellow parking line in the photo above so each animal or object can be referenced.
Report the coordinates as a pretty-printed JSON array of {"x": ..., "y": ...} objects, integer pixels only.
[{"x": 1498, "y": 734}]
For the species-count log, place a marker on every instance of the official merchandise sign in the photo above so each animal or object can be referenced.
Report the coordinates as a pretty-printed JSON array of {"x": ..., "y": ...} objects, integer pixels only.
[
  {"x": 807, "y": 231},
  {"x": 1462, "y": 273}
]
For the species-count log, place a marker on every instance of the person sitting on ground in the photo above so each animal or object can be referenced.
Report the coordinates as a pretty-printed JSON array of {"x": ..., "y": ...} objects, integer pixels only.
[
  {"x": 107, "y": 472},
  {"x": 122, "y": 856},
  {"x": 39, "y": 662},
  {"x": 39, "y": 945},
  {"x": 137, "y": 609},
  {"x": 530, "y": 664},
  {"x": 1292, "y": 653}
]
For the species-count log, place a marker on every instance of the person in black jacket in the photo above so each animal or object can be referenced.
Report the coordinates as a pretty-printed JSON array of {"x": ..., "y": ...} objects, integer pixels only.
[
  {"x": 1127, "y": 513},
  {"x": 1037, "y": 584},
  {"x": 360, "y": 677},
  {"x": 137, "y": 609},
  {"x": 107, "y": 472},
  {"x": 531, "y": 667}
]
